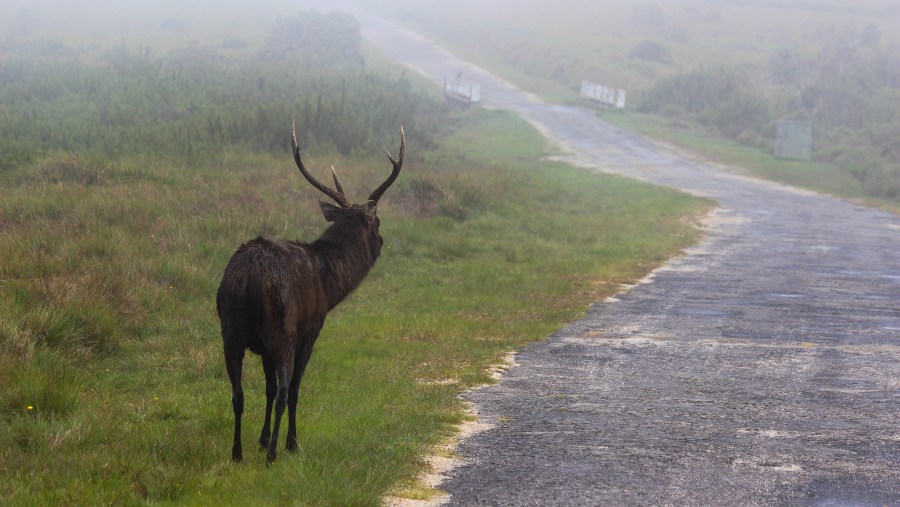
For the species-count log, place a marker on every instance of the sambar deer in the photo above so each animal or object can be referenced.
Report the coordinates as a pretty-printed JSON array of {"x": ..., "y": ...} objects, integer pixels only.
[{"x": 275, "y": 295}]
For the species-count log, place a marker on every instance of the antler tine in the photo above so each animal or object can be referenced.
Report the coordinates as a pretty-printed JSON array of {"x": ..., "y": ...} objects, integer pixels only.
[
  {"x": 337, "y": 184},
  {"x": 397, "y": 163},
  {"x": 338, "y": 197}
]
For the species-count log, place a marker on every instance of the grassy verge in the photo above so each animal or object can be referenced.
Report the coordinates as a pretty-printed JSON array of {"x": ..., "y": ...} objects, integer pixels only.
[{"x": 113, "y": 388}]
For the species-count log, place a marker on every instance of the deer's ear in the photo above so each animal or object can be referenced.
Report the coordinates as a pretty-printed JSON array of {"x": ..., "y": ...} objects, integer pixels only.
[
  {"x": 329, "y": 211},
  {"x": 370, "y": 209}
]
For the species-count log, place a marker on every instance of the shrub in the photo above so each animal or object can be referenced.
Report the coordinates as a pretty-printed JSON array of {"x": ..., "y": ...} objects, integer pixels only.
[
  {"x": 651, "y": 51},
  {"x": 742, "y": 113},
  {"x": 715, "y": 96},
  {"x": 673, "y": 111},
  {"x": 754, "y": 139},
  {"x": 419, "y": 197}
]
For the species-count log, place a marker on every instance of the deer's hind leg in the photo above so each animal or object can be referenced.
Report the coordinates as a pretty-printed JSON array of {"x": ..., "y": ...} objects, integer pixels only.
[
  {"x": 300, "y": 362},
  {"x": 234, "y": 359},
  {"x": 284, "y": 369},
  {"x": 271, "y": 390}
]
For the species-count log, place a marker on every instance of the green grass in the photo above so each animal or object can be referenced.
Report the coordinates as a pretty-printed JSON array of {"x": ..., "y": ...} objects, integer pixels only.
[{"x": 109, "y": 334}]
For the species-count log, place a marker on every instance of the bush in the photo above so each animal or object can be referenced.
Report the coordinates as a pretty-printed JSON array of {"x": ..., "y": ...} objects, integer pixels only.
[
  {"x": 741, "y": 114},
  {"x": 754, "y": 139},
  {"x": 694, "y": 91},
  {"x": 419, "y": 197},
  {"x": 715, "y": 96},
  {"x": 651, "y": 51},
  {"x": 877, "y": 176}
]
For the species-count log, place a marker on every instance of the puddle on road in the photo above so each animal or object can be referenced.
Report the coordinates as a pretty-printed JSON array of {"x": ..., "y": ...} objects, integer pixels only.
[
  {"x": 695, "y": 312},
  {"x": 617, "y": 339},
  {"x": 767, "y": 464},
  {"x": 787, "y": 295}
]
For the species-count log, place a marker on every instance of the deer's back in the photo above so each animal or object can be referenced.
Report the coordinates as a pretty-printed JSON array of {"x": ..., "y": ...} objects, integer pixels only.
[{"x": 270, "y": 290}]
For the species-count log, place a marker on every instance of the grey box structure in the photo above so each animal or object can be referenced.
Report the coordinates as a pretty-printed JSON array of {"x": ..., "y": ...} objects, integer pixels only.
[{"x": 793, "y": 139}]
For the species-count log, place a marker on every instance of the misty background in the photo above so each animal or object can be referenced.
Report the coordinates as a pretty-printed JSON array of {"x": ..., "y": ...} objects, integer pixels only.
[{"x": 732, "y": 67}]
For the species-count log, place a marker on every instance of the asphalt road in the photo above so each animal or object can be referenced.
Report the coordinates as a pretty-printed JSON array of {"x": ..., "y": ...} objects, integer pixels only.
[{"x": 759, "y": 369}]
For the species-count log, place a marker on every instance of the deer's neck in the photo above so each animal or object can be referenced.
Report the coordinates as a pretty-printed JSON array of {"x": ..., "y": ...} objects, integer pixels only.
[{"x": 344, "y": 263}]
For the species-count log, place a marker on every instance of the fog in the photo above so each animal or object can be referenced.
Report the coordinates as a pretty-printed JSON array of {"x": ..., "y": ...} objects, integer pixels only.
[
  {"x": 733, "y": 66},
  {"x": 166, "y": 24},
  {"x": 161, "y": 24}
]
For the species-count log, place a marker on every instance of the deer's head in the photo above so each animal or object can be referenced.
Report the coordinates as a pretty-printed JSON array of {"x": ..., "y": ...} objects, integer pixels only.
[{"x": 347, "y": 213}]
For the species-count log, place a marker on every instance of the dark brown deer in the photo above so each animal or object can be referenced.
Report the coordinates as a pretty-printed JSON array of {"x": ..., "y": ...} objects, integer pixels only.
[{"x": 275, "y": 295}]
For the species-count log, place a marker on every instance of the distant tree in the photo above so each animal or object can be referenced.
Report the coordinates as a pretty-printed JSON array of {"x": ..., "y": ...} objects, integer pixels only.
[{"x": 785, "y": 66}]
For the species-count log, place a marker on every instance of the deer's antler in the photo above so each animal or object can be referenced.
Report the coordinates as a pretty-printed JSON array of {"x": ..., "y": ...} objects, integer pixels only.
[
  {"x": 338, "y": 195},
  {"x": 397, "y": 163}
]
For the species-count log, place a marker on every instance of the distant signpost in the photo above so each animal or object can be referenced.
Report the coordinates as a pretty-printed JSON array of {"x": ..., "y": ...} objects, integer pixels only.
[
  {"x": 793, "y": 139},
  {"x": 461, "y": 91},
  {"x": 602, "y": 95}
]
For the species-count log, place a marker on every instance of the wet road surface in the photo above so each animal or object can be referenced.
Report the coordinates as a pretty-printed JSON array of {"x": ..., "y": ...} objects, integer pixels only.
[{"x": 761, "y": 368}]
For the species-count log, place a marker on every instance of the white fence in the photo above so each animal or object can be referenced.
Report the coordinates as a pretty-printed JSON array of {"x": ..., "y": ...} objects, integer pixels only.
[
  {"x": 604, "y": 95},
  {"x": 458, "y": 89}
]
